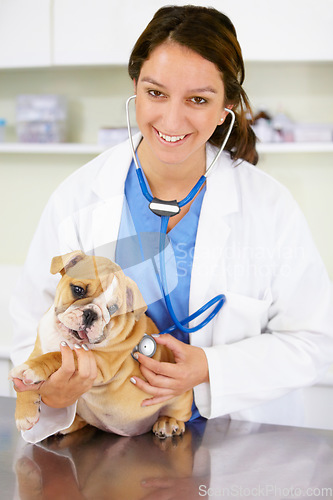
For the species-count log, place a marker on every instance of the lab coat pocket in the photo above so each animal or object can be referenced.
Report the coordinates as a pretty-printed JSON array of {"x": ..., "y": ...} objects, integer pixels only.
[{"x": 244, "y": 316}]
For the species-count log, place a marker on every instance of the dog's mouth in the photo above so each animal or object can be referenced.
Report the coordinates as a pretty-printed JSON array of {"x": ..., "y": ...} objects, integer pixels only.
[
  {"x": 81, "y": 325},
  {"x": 80, "y": 335}
]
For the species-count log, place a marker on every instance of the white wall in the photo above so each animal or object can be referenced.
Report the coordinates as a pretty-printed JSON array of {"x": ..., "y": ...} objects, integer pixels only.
[
  {"x": 97, "y": 95},
  {"x": 96, "y": 98}
]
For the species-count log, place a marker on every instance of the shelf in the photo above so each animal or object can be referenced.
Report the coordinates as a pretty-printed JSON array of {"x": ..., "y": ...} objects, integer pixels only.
[
  {"x": 296, "y": 147},
  {"x": 64, "y": 148},
  {"x": 77, "y": 148}
]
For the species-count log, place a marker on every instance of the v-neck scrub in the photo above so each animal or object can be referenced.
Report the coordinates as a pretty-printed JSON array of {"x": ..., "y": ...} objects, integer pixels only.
[{"x": 137, "y": 253}]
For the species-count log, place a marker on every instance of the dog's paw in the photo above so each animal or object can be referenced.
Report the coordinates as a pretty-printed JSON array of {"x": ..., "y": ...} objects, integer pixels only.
[
  {"x": 26, "y": 374},
  {"x": 167, "y": 427},
  {"x": 26, "y": 423},
  {"x": 29, "y": 478},
  {"x": 27, "y": 410}
]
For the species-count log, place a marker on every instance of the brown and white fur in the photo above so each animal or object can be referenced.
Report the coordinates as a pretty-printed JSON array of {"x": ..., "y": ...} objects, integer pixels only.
[{"x": 97, "y": 305}]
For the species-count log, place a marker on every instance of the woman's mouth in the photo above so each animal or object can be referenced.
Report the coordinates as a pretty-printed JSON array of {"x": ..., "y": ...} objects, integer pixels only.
[{"x": 171, "y": 139}]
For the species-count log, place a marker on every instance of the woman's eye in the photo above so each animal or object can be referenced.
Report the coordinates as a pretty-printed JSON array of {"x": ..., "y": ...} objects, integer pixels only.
[
  {"x": 155, "y": 93},
  {"x": 198, "y": 100},
  {"x": 78, "y": 292}
]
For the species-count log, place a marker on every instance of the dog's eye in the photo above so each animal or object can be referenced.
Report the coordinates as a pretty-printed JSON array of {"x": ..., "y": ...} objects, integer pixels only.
[{"x": 78, "y": 292}]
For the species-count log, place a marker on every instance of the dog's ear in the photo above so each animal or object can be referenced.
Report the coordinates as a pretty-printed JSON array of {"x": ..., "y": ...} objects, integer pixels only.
[
  {"x": 134, "y": 299},
  {"x": 61, "y": 263}
]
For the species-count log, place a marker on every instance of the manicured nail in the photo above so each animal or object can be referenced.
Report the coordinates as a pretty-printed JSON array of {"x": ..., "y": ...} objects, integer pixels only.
[
  {"x": 63, "y": 343},
  {"x": 85, "y": 347},
  {"x": 132, "y": 379},
  {"x": 77, "y": 346},
  {"x": 136, "y": 355},
  {"x": 155, "y": 335}
]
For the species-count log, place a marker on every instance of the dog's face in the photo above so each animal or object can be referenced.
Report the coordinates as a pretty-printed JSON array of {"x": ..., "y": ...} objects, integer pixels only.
[{"x": 92, "y": 293}]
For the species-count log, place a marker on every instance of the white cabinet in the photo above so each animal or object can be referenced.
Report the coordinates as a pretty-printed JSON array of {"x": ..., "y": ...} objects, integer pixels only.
[
  {"x": 92, "y": 32},
  {"x": 283, "y": 30},
  {"x": 25, "y": 33},
  {"x": 103, "y": 32},
  {"x": 85, "y": 32}
]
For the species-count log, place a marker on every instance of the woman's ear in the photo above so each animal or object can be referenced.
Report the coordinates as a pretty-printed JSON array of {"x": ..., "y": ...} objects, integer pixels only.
[
  {"x": 135, "y": 85},
  {"x": 224, "y": 114}
]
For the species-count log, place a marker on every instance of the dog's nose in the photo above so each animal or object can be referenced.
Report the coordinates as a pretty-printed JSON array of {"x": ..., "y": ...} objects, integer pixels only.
[{"x": 89, "y": 316}]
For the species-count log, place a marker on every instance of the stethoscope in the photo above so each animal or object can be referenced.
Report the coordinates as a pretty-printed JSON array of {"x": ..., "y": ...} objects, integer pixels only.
[{"x": 167, "y": 209}]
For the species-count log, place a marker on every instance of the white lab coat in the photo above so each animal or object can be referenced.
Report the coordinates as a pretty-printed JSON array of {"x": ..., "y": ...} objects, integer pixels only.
[{"x": 273, "y": 335}]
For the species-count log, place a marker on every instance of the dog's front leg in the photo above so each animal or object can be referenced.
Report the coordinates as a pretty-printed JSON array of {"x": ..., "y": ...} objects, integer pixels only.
[
  {"x": 37, "y": 369},
  {"x": 27, "y": 410},
  {"x": 31, "y": 372}
]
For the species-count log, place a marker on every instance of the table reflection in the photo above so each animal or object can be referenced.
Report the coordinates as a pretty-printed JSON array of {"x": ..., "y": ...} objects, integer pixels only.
[
  {"x": 218, "y": 458},
  {"x": 90, "y": 464}
]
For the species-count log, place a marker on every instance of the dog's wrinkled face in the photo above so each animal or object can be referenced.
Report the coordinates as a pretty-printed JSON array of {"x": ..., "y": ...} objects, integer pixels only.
[{"x": 91, "y": 293}]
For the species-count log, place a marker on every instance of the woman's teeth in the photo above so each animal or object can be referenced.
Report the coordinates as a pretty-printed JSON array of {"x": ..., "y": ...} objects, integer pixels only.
[{"x": 171, "y": 138}]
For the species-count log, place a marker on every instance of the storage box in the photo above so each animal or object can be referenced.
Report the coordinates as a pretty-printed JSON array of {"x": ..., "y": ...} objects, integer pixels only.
[
  {"x": 109, "y": 136},
  {"x": 41, "y": 118},
  {"x": 313, "y": 132}
]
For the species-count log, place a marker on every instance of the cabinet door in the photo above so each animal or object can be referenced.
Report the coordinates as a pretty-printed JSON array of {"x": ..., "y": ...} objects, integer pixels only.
[
  {"x": 281, "y": 30},
  {"x": 25, "y": 33},
  {"x": 88, "y": 32}
]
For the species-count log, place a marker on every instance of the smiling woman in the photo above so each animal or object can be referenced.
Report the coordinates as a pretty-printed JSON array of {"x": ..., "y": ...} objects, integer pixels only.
[
  {"x": 208, "y": 33},
  {"x": 239, "y": 236},
  {"x": 180, "y": 102}
]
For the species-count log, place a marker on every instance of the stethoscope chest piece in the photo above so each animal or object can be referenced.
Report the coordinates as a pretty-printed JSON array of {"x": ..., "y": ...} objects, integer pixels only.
[
  {"x": 146, "y": 346},
  {"x": 164, "y": 208}
]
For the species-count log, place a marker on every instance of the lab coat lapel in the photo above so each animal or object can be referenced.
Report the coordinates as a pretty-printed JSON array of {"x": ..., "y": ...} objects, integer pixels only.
[
  {"x": 208, "y": 271},
  {"x": 109, "y": 187}
]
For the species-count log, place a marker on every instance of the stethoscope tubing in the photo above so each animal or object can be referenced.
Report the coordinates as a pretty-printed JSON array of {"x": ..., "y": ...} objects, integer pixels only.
[{"x": 219, "y": 300}]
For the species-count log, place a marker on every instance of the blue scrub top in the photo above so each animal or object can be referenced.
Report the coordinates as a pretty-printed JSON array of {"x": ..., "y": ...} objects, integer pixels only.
[{"x": 137, "y": 253}]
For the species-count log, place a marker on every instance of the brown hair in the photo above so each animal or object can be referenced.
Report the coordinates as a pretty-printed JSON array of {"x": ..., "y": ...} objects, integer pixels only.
[{"x": 212, "y": 35}]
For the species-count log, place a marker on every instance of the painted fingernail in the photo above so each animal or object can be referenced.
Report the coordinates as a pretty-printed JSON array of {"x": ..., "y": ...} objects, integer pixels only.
[
  {"x": 136, "y": 355},
  {"x": 77, "y": 346},
  {"x": 63, "y": 343},
  {"x": 156, "y": 335},
  {"x": 85, "y": 347},
  {"x": 132, "y": 379}
]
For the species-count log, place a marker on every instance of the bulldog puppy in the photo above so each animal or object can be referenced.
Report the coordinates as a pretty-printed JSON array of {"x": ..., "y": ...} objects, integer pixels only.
[{"x": 97, "y": 305}]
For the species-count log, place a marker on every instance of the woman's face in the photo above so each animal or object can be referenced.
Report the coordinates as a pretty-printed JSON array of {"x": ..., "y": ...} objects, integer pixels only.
[{"x": 179, "y": 103}]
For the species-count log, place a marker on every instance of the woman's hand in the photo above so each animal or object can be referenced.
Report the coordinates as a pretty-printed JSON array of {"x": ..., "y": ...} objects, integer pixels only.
[
  {"x": 67, "y": 384},
  {"x": 167, "y": 380}
]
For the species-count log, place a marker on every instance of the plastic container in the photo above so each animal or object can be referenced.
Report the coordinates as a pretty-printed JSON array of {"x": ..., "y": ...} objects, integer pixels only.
[
  {"x": 283, "y": 128},
  {"x": 262, "y": 126},
  {"x": 2, "y": 129},
  {"x": 109, "y": 136},
  {"x": 41, "y": 118}
]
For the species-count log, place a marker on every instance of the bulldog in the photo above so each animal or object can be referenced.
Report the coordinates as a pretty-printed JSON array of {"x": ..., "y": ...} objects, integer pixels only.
[{"x": 97, "y": 305}]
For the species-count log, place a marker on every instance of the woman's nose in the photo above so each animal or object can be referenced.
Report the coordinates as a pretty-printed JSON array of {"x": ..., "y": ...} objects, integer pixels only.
[{"x": 174, "y": 118}]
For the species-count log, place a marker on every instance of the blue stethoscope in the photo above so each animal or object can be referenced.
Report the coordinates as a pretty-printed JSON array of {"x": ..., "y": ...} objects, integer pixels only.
[{"x": 167, "y": 209}]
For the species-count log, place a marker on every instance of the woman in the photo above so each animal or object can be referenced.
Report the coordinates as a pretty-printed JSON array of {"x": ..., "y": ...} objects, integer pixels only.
[{"x": 242, "y": 235}]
